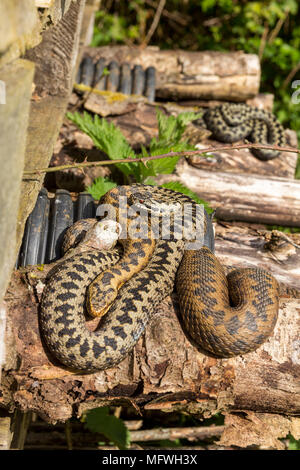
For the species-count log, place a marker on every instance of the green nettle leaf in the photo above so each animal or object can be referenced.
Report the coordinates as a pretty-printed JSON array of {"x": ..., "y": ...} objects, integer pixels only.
[
  {"x": 171, "y": 129},
  {"x": 167, "y": 165},
  {"x": 177, "y": 186},
  {"x": 100, "y": 421},
  {"x": 108, "y": 138},
  {"x": 100, "y": 187}
]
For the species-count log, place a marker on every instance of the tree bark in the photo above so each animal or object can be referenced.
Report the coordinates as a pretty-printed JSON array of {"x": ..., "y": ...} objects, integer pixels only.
[{"x": 164, "y": 371}]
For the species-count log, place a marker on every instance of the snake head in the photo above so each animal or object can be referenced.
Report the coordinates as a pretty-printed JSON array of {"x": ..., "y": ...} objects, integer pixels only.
[{"x": 146, "y": 201}]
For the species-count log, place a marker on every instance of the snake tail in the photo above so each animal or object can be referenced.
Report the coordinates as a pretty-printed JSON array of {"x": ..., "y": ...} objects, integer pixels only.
[{"x": 225, "y": 316}]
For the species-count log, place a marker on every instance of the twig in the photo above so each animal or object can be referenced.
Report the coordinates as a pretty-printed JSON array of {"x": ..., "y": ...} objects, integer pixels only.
[
  {"x": 192, "y": 433},
  {"x": 291, "y": 75},
  {"x": 155, "y": 22},
  {"x": 263, "y": 42},
  {"x": 188, "y": 153},
  {"x": 172, "y": 15},
  {"x": 278, "y": 27}
]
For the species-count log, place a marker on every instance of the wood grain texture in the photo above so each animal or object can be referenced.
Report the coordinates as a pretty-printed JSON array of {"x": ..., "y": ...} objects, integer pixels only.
[{"x": 243, "y": 197}]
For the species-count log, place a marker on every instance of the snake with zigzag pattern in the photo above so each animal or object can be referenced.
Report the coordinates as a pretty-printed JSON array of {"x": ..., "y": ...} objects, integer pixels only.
[
  {"x": 224, "y": 315},
  {"x": 231, "y": 122}
]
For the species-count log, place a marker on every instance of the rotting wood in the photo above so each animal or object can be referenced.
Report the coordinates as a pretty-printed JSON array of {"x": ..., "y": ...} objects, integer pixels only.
[
  {"x": 185, "y": 75},
  {"x": 164, "y": 364},
  {"x": 242, "y": 246},
  {"x": 262, "y": 430},
  {"x": 243, "y": 197}
]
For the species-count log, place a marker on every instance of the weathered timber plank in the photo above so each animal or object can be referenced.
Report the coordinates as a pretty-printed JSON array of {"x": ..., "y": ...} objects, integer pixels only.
[{"x": 14, "y": 114}]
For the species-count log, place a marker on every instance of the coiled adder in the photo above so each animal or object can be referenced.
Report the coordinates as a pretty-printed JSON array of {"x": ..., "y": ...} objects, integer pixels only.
[
  {"x": 224, "y": 316},
  {"x": 231, "y": 122}
]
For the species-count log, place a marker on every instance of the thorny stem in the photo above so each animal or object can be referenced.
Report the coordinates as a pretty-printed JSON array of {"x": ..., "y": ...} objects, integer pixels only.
[{"x": 188, "y": 153}]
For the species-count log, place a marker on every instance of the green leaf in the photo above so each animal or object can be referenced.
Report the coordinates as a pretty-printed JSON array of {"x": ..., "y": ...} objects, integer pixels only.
[
  {"x": 294, "y": 444},
  {"x": 99, "y": 420},
  {"x": 100, "y": 187},
  {"x": 179, "y": 187},
  {"x": 108, "y": 138},
  {"x": 168, "y": 164},
  {"x": 171, "y": 128}
]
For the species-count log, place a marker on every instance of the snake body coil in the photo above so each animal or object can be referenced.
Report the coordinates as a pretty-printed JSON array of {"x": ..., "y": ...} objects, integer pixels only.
[
  {"x": 231, "y": 122},
  {"x": 225, "y": 316}
]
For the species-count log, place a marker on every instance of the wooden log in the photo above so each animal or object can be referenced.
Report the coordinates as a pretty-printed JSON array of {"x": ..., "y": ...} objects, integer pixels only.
[
  {"x": 239, "y": 245},
  {"x": 262, "y": 430},
  {"x": 233, "y": 76},
  {"x": 244, "y": 197},
  {"x": 164, "y": 371}
]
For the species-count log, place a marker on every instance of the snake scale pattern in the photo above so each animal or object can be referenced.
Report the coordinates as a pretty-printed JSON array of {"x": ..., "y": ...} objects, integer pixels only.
[
  {"x": 225, "y": 316},
  {"x": 231, "y": 122}
]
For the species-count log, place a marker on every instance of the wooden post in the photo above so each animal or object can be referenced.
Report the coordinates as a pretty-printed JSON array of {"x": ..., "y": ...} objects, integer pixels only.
[{"x": 34, "y": 93}]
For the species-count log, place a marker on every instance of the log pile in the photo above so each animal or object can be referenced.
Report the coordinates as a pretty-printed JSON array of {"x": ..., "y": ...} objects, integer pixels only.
[{"x": 261, "y": 387}]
